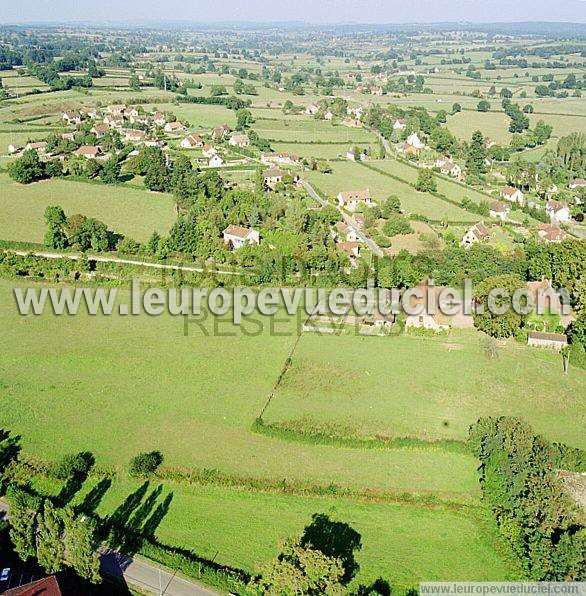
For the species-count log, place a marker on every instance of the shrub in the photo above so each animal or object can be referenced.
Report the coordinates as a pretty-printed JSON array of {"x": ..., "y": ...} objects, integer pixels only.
[
  {"x": 74, "y": 465},
  {"x": 145, "y": 463}
]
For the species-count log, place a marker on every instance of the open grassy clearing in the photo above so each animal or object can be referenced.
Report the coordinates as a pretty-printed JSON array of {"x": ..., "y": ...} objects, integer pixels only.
[
  {"x": 370, "y": 387},
  {"x": 494, "y": 125},
  {"x": 450, "y": 188},
  {"x": 400, "y": 541},
  {"x": 353, "y": 176},
  {"x": 310, "y": 131},
  {"x": 135, "y": 213},
  {"x": 103, "y": 384}
]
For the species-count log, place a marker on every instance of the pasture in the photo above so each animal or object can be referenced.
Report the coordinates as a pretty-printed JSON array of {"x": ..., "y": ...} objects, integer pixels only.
[
  {"x": 367, "y": 387},
  {"x": 129, "y": 211}
]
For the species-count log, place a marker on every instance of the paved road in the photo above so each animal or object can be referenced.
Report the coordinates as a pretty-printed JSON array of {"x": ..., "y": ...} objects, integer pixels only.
[
  {"x": 374, "y": 247},
  {"x": 106, "y": 259},
  {"x": 145, "y": 576}
]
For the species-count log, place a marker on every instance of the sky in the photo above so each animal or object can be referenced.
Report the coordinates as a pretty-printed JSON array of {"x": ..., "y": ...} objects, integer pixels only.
[{"x": 310, "y": 11}]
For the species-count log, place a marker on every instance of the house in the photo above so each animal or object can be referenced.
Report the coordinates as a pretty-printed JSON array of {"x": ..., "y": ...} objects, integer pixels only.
[
  {"x": 134, "y": 136},
  {"x": 139, "y": 119},
  {"x": 352, "y": 156},
  {"x": 174, "y": 127},
  {"x": 116, "y": 109},
  {"x": 132, "y": 113},
  {"x": 191, "y": 142},
  {"x": 312, "y": 109},
  {"x": 328, "y": 115},
  {"x": 159, "y": 119},
  {"x": 239, "y": 141},
  {"x": 215, "y": 161},
  {"x": 543, "y": 293},
  {"x": 87, "y": 151},
  {"x": 14, "y": 148},
  {"x": 154, "y": 142},
  {"x": 477, "y": 233},
  {"x": 510, "y": 193},
  {"x": 272, "y": 177},
  {"x": 113, "y": 121},
  {"x": 208, "y": 151},
  {"x": 48, "y": 586},
  {"x": 399, "y": 124},
  {"x": 356, "y": 112},
  {"x": 345, "y": 232},
  {"x": 500, "y": 210},
  {"x": 72, "y": 117},
  {"x": 353, "y": 198},
  {"x": 100, "y": 129},
  {"x": 350, "y": 248},
  {"x": 351, "y": 122},
  {"x": 89, "y": 112},
  {"x": 68, "y": 136},
  {"x": 38, "y": 146},
  {"x": 358, "y": 219},
  {"x": 551, "y": 233},
  {"x": 237, "y": 236},
  {"x": 448, "y": 167},
  {"x": 425, "y": 312},
  {"x": 558, "y": 211},
  {"x": 375, "y": 90},
  {"x": 382, "y": 320},
  {"x": 577, "y": 183},
  {"x": 279, "y": 158},
  {"x": 553, "y": 341},
  {"x": 415, "y": 141},
  {"x": 219, "y": 132}
]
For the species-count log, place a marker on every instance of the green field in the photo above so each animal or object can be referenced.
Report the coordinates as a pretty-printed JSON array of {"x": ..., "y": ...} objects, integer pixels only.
[
  {"x": 369, "y": 387},
  {"x": 354, "y": 176},
  {"x": 129, "y": 211},
  {"x": 60, "y": 384},
  {"x": 400, "y": 541}
]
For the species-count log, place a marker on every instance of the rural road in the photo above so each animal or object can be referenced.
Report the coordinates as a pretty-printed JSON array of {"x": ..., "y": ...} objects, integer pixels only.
[
  {"x": 145, "y": 576},
  {"x": 374, "y": 247}
]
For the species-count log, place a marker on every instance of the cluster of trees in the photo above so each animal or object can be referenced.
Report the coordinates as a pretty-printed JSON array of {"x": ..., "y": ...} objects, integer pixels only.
[
  {"x": 56, "y": 537},
  {"x": 77, "y": 231},
  {"x": 521, "y": 485}
]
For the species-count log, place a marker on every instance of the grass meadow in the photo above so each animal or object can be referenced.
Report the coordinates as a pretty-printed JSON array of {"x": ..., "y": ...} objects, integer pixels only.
[
  {"x": 367, "y": 386},
  {"x": 349, "y": 175},
  {"x": 129, "y": 211},
  {"x": 119, "y": 385},
  {"x": 400, "y": 541}
]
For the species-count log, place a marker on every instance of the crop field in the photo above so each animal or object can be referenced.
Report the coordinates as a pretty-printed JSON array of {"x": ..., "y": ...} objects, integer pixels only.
[
  {"x": 133, "y": 212},
  {"x": 354, "y": 176},
  {"x": 370, "y": 389},
  {"x": 320, "y": 151}
]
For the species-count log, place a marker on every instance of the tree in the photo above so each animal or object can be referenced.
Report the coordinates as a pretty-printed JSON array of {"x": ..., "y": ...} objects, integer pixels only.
[
  {"x": 80, "y": 545},
  {"x": 483, "y": 106},
  {"x": 110, "y": 171},
  {"x": 488, "y": 317},
  {"x": 244, "y": 119},
  {"x": 426, "y": 181},
  {"x": 476, "y": 158},
  {"x": 456, "y": 108},
  {"x": 27, "y": 169},
  {"x": 395, "y": 225},
  {"x": 157, "y": 176},
  {"x": 145, "y": 463},
  {"x": 74, "y": 465},
  {"x": 50, "y": 548},
  {"x": 22, "y": 519},
  {"x": 55, "y": 237},
  {"x": 300, "y": 570}
]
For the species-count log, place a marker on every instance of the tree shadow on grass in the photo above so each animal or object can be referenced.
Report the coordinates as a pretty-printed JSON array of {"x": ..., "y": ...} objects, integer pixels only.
[
  {"x": 334, "y": 539},
  {"x": 137, "y": 518},
  {"x": 94, "y": 497}
]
